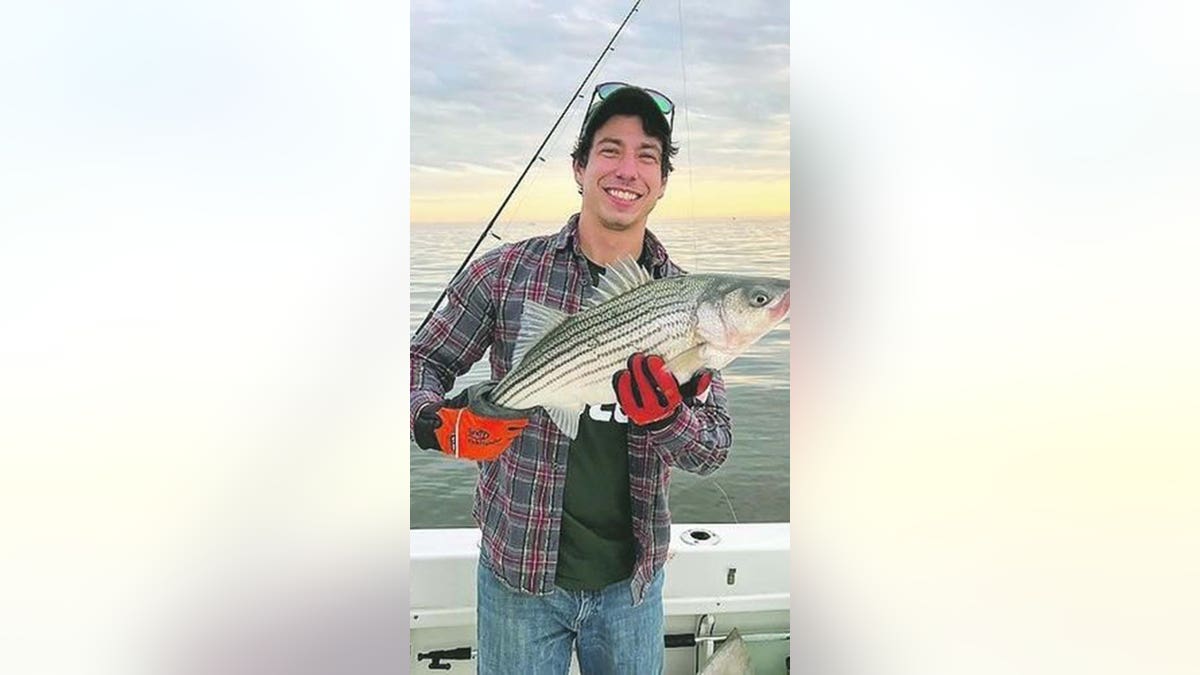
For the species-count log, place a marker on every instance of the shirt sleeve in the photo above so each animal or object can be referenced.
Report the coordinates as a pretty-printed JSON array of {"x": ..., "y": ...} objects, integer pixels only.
[
  {"x": 699, "y": 438},
  {"x": 455, "y": 338}
]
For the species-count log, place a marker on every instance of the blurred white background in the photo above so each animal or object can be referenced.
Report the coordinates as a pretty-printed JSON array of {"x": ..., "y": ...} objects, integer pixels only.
[
  {"x": 997, "y": 463},
  {"x": 202, "y": 333}
]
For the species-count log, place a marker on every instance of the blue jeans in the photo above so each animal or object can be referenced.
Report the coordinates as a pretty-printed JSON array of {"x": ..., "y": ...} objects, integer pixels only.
[{"x": 522, "y": 634}]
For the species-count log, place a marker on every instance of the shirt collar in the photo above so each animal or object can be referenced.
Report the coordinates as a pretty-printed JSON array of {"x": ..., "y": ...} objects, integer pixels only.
[{"x": 568, "y": 239}]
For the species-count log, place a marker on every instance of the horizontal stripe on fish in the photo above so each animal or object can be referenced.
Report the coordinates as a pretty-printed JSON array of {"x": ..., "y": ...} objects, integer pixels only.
[
  {"x": 587, "y": 369},
  {"x": 605, "y": 339},
  {"x": 615, "y": 317}
]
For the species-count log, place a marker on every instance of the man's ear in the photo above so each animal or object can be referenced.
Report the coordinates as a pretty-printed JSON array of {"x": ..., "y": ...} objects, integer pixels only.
[{"x": 578, "y": 168}]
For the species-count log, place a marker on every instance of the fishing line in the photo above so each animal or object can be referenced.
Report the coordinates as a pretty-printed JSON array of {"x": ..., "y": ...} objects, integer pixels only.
[
  {"x": 539, "y": 170},
  {"x": 728, "y": 501},
  {"x": 687, "y": 132},
  {"x": 554, "y": 148},
  {"x": 536, "y": 156},
  {"x": 706, "y": 481}
]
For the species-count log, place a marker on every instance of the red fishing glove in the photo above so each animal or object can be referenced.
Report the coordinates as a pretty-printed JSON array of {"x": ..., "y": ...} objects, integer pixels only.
[
  {"x": 695, "y": 387},
  {"x": 647, "y": 391}
]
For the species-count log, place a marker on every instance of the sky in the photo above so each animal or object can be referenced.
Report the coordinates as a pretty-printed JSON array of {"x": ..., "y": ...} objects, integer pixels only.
[{"x": 489, "y": 79}]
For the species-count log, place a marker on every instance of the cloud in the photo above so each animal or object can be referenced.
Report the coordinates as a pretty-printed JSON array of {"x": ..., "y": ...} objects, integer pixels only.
[{"x": 489, "y": 79}]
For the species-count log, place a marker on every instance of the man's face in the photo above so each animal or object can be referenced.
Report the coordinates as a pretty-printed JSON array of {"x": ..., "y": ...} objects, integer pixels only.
[{"x": 623, "y": 178}]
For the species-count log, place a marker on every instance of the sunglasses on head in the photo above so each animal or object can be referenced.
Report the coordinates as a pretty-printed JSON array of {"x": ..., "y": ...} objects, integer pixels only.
[{"x": 606, "y": 89}]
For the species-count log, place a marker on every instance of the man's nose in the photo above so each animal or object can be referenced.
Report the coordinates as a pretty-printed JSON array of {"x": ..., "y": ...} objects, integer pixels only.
[{"x": 627, "y": 166}]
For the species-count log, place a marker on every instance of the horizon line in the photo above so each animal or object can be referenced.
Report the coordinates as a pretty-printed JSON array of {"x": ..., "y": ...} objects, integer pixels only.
[{"x": 697, "y": 220}]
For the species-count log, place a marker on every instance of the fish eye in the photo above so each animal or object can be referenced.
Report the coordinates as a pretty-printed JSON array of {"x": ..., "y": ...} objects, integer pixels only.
[{"x": 759, "y": 298}]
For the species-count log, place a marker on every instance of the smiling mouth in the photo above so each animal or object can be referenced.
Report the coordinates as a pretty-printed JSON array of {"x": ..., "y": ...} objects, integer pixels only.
[{"x": 623, "y": 195}]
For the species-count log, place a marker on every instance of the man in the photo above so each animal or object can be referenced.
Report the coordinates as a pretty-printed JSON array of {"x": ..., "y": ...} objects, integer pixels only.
[{"x": 575, "y": 533}]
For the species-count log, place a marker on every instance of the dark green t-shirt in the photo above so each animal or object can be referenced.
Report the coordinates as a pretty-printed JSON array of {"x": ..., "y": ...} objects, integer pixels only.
[{"x": 596, "y": 546}]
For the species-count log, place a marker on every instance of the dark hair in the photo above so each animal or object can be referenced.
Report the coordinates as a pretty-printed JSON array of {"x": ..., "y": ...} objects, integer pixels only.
[{"x": 627, "y": 101}]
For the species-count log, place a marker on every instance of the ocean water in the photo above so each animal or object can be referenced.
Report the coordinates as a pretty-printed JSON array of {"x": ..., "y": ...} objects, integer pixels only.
[{"x": 752, "y": 486}]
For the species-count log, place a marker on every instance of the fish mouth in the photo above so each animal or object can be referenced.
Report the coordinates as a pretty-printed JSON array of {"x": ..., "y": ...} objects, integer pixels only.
[{"x": 784, "y": 305}]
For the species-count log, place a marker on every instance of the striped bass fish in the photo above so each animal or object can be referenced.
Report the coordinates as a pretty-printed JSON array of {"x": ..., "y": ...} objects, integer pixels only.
[{"x": 694, "y": 321}]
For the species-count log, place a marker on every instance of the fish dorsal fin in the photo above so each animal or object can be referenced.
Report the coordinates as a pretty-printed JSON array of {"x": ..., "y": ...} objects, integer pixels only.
[
  {"x": 620, "y": 277},
  {"x": 536, "y": 321}
]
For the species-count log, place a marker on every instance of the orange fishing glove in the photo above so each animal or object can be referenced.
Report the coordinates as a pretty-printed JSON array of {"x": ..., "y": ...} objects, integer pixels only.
[
  {"x": 456, "y": 430},
  {"x": 466, "y": 435}
]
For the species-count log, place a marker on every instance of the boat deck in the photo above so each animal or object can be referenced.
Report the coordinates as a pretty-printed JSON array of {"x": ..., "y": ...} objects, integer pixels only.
[{"x": 718, "y": 577}]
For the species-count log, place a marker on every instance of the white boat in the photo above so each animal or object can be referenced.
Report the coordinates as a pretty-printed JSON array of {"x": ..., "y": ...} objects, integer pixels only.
[{"x": 718, "y": 577}]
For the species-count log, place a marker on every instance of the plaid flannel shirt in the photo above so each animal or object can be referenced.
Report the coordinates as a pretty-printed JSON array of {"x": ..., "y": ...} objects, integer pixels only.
[{"x": 519, "y": 496}]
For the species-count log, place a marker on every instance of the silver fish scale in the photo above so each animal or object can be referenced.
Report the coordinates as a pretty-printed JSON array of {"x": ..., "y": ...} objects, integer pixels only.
[{"x": 583, "y": 352}]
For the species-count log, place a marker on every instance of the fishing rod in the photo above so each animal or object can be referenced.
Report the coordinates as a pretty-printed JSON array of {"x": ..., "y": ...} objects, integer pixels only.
[{"x": 536, "y": 156}]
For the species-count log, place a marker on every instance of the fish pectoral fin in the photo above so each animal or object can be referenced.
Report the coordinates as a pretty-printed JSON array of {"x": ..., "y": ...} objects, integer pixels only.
[
  {"x": 566, "y": 419},
  {"x": 536, "y": 321},
  {"x": 684, "y": 364},
  {"x": 717, "y": 359}
]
